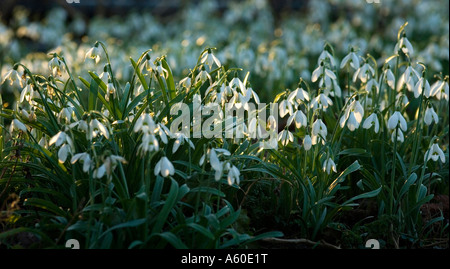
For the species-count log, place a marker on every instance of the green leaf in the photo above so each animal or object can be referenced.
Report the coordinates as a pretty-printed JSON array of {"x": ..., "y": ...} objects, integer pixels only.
[
  {"x": 168, "y": 205},
  {"x": 350, "y": 169},
  {"x": 408, "y": 183},
  {"x": 128, "y": 224},
  {"x": 363, "y": 196},
  {"x": 173, "y": 240},
  {"x": 169, "y": 80},
  {"x": 45, "y": 204}
]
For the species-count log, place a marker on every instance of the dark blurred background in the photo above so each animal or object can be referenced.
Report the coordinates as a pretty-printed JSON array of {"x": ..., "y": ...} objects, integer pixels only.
[{"x": 89, "y": 8}]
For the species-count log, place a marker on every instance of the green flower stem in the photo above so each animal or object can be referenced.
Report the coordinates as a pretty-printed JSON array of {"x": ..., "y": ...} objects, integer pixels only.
[
  {"x": 391, "y": 198},
  {"x": 418, "y": 135}
]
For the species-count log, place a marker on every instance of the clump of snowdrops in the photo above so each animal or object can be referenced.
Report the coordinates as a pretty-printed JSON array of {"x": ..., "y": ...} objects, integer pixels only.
[{"x": 96, "y": 159}]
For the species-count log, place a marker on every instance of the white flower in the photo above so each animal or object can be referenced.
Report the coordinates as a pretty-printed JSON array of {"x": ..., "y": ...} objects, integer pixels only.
[
  {"x": 208, "y": 58},
  {"x": 60, "y": 138},
  {"x": 110, "y": 91},
  {"x": 322, "y": 101},
  {"x": 216, "y": 164},
  {"x": 165, "y": 167},
  {"x": 27, "y": 93},
  {"x": 435, "y": 153},
  {"x": 85, "y": 158},
  {"x": 145, "y": 124},
  {"x": 81, "y": 124},
  {"x": 108, "y": 166},
  {"x": 180, "y": 139},
  {"x": 307, "y": 142},
  {"x": 14, "y": 76},
  {"x": 353, "y": 116},
  {"x": 329, "y": 165},
  {"x": 364, "y": 73},
  {"x": 235, "y": 83},
  {"x": 186, "y": 82},
  {"x": 326, "y": 55},
  {"x": 96, "y": 128},
  {"x": 409, "y": 78},
  {"x": 319, "y": 130},
  {"x": 17, "y": 125},
  {"x": 420, "y": 87},
  {"x": 203, "y": 76},
  {"x": 351, "y": 59},
  {"x": 93, "y": 53},
  {"x": 285, "y": 107},
  {"x": 405, "y": 46},
  {"x": 440, "y": 90},
  {"x": 322, "y": 70},
  {"x": 299, "y": 118},
  {"x": 285, "y": 137},
  {"x": 400, "y": 136},
  {"x": 430, "y": 116},
  {"x": 161, "y": 70},
  {"x": 63, "y": 152},
  {"x": 233, "y": 174},
  {"x": 389, "y": 78},
  {"x": 55, "y": 65},
  {"x": 397, "y": 119},
  {"x": 372, "y": 83},
  {"x": 298, "y": 95},
  {"x": 370, "y": 121}
]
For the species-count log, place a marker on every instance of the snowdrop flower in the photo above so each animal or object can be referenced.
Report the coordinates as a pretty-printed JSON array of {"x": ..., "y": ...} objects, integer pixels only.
[
  {"x": 404, "y": 44},
  {"x": 364, "y": 73},
  {"x": 285, "y": 107},
  {"x": 161, "y": 70},
  {"x": 430, "y": 116},
  {"x": 203, "y": 76},
  {"x": 236, "y": 82},
  {"x": 104, "y": 76},
  {"x": 401, "y": 99},
  {"x": 164, "y": 167},
  {"x": 419, "y": 87},
  {"x": 145, "y": 124},
  {"x": 319, "y": 130},
  {"x": 55, "y": 65},
  {"x": 409, "y": 78},
  {"x": 110, "y": 91},
  {"x": 17, "y": 125},
  {"x": 298, "y": 96},
  {"x": 233, "y": 174},
  {"x": 109, "y": 164},
  {"x": 149, "y": 143},
  {"x": 322, "y": 70},
  {"x": 372, "y": 83},
  {"x": 216, "y": 164},
  {"x": 400, "y": 136},
  {"x": 63, "y": 140},
  {"x": 208, "y": 58},
  {"x": 96, "y": 128},
  {"x": 397, "y": 119},
  {"x": 370, "y": 121},
  {"x": 329, "y": 165},
  {"x": 440, "y": 90},
  {"x": 186, "y": 82},
  {"x": 353, "y": 116},
  {"x": 81, "y": 126},
  {"x": 435, "y": 153},
  {"x": 307, "y": 142},
  {"x": 299, "y": 118},
  {"x": 326, "y": 55},
  {"x": 85, "y": 158},
  {"x": 27, "y": 93},
  {"x": 389, "y": 77},
  {"x": 350, "y": 59},
  {"x": 180, "y": 139},
  {"x": 322, "y": 101},
  {"x": 65, "y": 115},
  {"x": 93, "y": 53},
  {"x": 285, "y": 137},
  {"x": 60, "y": 138},
  {"x": 14, "y": 76}
]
